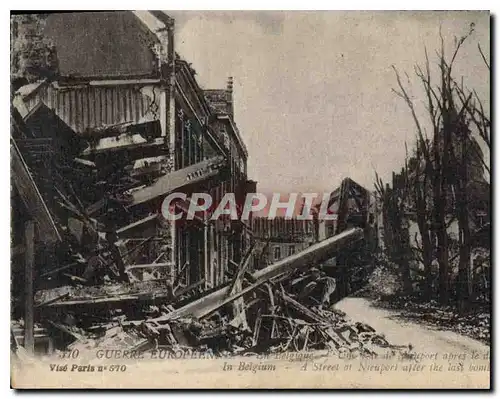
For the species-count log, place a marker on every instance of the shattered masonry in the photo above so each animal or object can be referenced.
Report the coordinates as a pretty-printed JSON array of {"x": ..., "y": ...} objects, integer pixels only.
[{"x": 94, "y": 150}]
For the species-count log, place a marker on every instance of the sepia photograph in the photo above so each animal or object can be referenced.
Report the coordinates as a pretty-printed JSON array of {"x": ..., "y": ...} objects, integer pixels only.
[{"x": 250, "y": 199}]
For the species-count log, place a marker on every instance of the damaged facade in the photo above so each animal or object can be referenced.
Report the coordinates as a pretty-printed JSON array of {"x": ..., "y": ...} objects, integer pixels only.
[
  {"x": 281, "y": 237},
  {"x": 94, "y": 152},
  {"x": 97, "y": 148}
]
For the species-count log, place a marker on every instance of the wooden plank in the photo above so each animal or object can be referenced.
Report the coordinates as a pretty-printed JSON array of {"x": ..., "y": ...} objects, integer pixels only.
[
  {"x": 311, "y": 316},
  {"x": 75, "y": 278},
  {"x": 145, "y": 266},
  {"x": 242, "y": 268},
  {"x": 32, "y": 198},
  {"x": 144, "y": 128},
  {"x": 29, "y": 296},
  {"x": 108, "y": 300},
  {"x": 122, "y": 142},
  {"x": 179, "y": 275},
  {"x": 133, "y": 229},
  {"x": 96, "y": 206},
  {"x": 237, "y": 284},
  {"x": 56, "y": 299},
  {"x": 118, "y": 260},
  {"x": 256, "y": 329},
  {"x": 66, "y": 330},
  {"x": 189, "y": 288},
  {"x": 179, "y": 178},
  {"x": 59, "y": 269},
  {"x": 314, "y": 254}
]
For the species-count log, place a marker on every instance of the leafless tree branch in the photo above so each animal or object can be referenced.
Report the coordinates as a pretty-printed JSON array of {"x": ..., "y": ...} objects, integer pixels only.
[{"x": 482, "y": 55}]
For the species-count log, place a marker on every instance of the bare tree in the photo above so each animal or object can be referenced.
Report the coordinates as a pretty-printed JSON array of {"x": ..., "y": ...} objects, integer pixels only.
[
  {"x": 444, "y": 169},
  {"x": 420, "y": 183}
]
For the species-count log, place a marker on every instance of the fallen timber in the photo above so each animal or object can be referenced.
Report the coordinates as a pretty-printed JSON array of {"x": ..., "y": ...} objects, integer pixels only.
[
  {"x": 276, "y": 318},
  {"x": 313, "y": 255},
  {"x": 189, "y": 175},
  {"x": 31, "y": 196},
  {"x": 209, "y": 303}
]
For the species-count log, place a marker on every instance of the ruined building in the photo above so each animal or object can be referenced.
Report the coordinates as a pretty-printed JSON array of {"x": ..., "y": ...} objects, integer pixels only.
[
  {"x": 97, "y": 147},
  {"x": 280, "y": 237}
]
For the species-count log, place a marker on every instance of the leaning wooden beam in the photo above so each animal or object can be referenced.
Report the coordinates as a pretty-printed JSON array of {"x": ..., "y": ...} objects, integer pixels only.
[
  {"x": 122, "y": 142},
  {"x": 313, "y": 317},
  {"x": 308, "y": 314},
  {"x": 96, "y": 206},
  {"x": 56, "y": 299},
  {"x": 180, "y": 274},
  {"x": 242, "y": 268},
  {"x": 168, "y": 183},
  {"x": 66, "y": 330},
  {"x": 59, "y": 269},
  {"x": 29, "y": 295},
  {"x": 31, "y": 197},
  {"x": 108, "y": 300},
  {"x": 312, "y": 255},
  {"x": 237, "y": 284},
  {"x": 151, "y": 128},
  {"x": 139, "y": 226},
  {"x": 150, "y": 265},
  {"x": 186, "y": 290}
]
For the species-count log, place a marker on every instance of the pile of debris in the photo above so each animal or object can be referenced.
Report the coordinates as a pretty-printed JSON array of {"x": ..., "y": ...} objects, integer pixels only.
[
  {"x": 278, "y": 308},
  {"x": 96, "y": 197},
  {"x": 95, "y": 200}
]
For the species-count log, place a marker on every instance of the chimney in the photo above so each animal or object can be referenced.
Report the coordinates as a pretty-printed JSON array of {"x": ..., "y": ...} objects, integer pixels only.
[{"x": 230, "y": 96}]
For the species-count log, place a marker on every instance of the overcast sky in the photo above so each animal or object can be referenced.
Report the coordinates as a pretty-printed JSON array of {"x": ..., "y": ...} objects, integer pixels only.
[{"x": 312, "y": 90}]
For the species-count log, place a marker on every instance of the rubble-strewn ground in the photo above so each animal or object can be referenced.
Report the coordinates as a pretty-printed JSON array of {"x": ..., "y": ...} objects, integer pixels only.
[
  {"x": 286, "y": 370},
  {"x": 291, "y": 312}
]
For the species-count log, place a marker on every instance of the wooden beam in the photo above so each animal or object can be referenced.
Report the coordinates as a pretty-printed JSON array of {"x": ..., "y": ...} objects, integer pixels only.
[
  {"x": 126, "y": 82},
  {"x": 177, "y": 179},
  {"x": 75, "y": 278},
  {"x": 59, "y": 269},
  {"x": 237, "y": 285},
  {"x": 143, "y": 128},
  {"x": 185, "y": 290},
  {"x": 29, "y": 293},
  {"x": 56, "y": 299},
  {"x": 137, "y": 228},
  {"x": 242, "y": 268},
  {"x": 179, "y": 275},
  {"x": 314, "y": 254},
  {"x": 90, "y": 210},
  {"x": 150, "y": 265},
  {"x": 122, "y": 142},
  {"x": 313, "y": 317},
  {"x": 31, "y": 197}
]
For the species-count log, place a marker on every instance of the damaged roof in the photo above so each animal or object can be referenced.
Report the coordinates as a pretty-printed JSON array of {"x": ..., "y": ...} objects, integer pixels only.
[{"x": 105, "y": 44}]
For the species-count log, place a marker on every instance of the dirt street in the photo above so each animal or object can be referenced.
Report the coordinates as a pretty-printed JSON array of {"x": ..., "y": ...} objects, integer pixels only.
[{"x": 398, "y": 332}]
